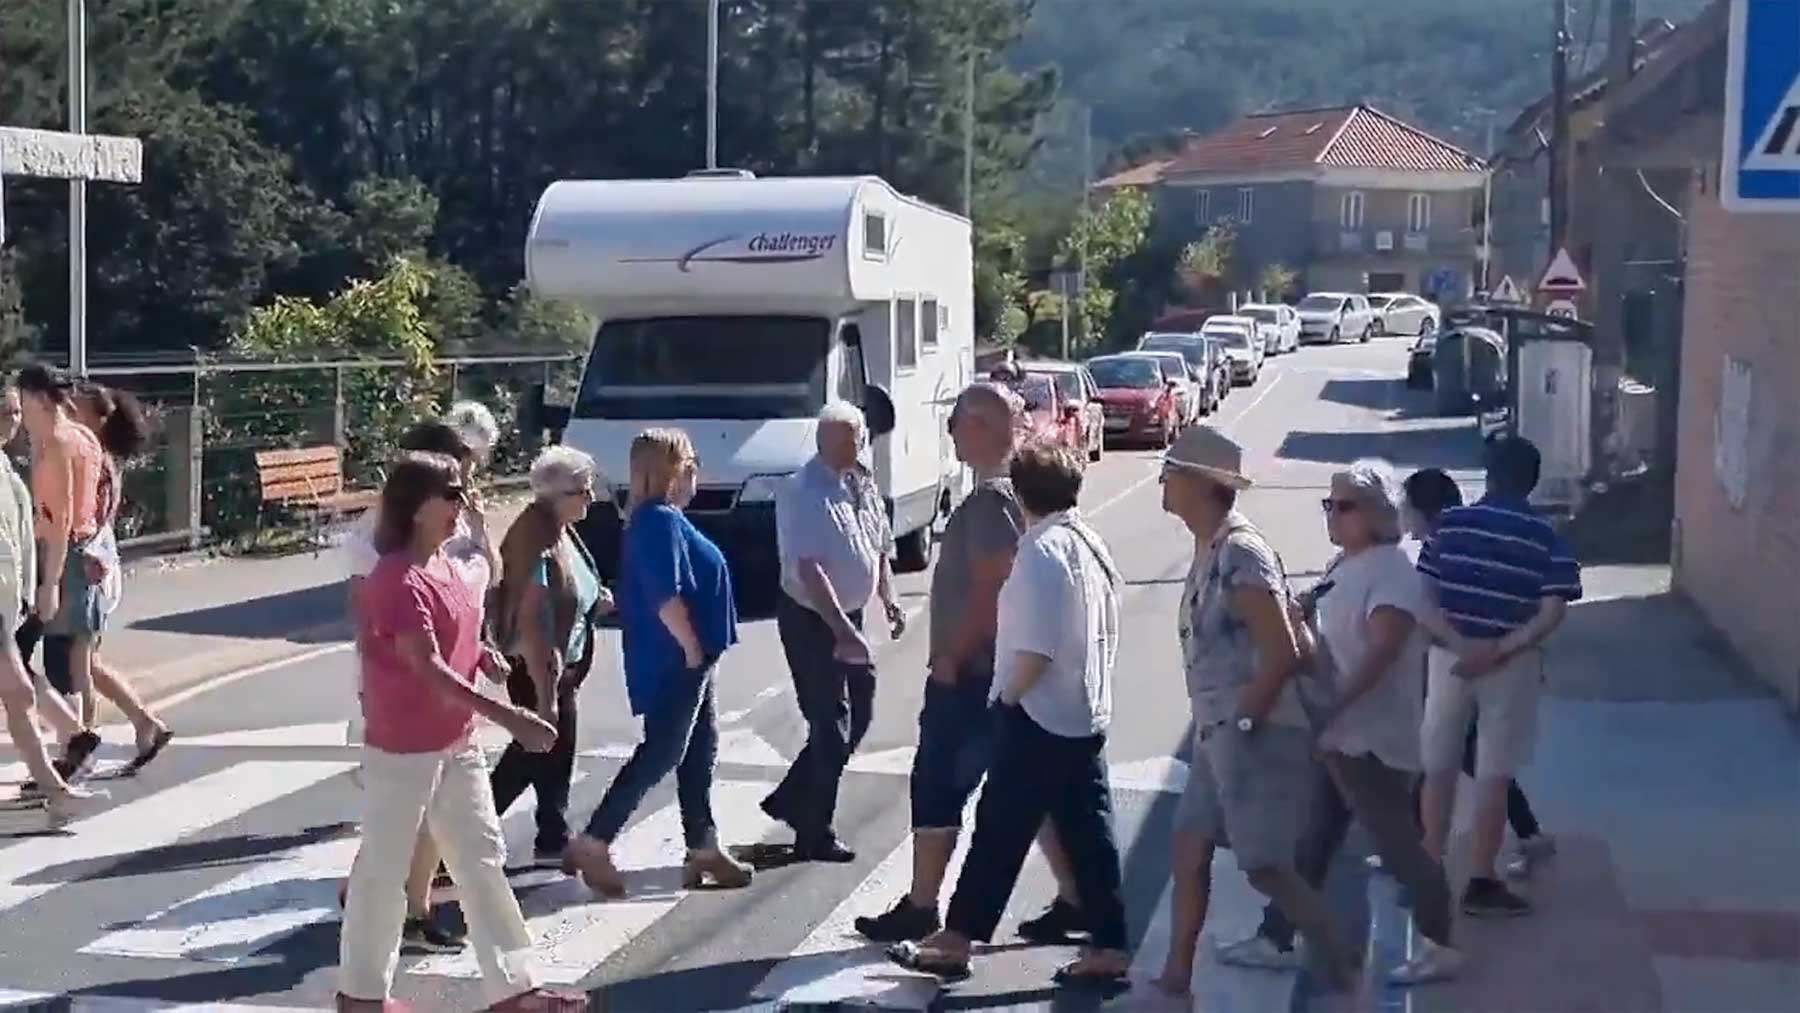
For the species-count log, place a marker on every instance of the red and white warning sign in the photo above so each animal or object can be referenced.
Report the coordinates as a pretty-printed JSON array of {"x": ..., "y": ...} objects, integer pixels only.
[{"x": 1562, "y": 275}]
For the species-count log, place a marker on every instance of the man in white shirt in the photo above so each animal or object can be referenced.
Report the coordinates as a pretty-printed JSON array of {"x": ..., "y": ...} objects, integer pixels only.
[
  {"x": 1057, "y": 642},
  {"x": 832, "y": 532}
]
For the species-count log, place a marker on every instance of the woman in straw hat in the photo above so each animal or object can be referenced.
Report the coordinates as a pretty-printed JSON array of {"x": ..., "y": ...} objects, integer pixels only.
[{"x": 1253, "y": 755}]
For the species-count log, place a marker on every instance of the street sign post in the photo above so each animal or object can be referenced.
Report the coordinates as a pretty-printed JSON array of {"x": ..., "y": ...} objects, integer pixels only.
[
  {"x": 1564, "y": 308},
  {"x": 1761, "y": 163},
  {"x": 1506, "y": 291}
]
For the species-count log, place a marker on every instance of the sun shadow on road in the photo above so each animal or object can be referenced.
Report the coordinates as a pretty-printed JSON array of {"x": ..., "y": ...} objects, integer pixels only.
[
  {"x": 1390, "y": 397},
  {"x": 237, "y": 849},
  {"x": 1451, "y": 448},
  {"x": 294, "y": 616}
]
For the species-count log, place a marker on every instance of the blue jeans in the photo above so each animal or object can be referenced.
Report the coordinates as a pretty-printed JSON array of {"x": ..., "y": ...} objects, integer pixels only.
[{"x": 681, "y": 734}]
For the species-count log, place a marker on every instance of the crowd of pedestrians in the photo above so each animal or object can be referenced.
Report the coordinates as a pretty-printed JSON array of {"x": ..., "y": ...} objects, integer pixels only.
[{"x": 1415, "y": 658}]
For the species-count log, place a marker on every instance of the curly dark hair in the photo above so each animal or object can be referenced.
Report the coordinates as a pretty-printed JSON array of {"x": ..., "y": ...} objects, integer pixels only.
[{"x": 124, "y": 430}]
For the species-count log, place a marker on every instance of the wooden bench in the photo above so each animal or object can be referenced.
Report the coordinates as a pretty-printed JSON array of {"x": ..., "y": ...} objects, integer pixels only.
[{"x": 309, "y": 480}]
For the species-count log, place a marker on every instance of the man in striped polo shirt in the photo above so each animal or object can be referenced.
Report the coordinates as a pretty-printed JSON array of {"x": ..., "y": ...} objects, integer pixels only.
[{"x": 1503, "y": 579}]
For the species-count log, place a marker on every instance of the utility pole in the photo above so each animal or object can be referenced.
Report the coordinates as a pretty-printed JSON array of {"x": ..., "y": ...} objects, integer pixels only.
[
  {"x": 1087, "y": 186},
  {"x": 1559, "y": 129},
  {"x": 1487, "y": 208},
  {"x": 969, "y": 135},
  {"x": 1610, "y": 282},
  {"x": 78, "y": 191},
  {"x": 712, "y": 84}
]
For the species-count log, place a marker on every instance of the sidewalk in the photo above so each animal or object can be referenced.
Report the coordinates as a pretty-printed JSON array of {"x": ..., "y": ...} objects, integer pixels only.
[
  {"x": 189, "y": 619},
  {"x": 1672, "y": 784}
]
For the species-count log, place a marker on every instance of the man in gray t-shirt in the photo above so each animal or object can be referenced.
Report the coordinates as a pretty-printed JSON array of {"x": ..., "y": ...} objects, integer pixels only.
[{"x": 955, "y": 736}]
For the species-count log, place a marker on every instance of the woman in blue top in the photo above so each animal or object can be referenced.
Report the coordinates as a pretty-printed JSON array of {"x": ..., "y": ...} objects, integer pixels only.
[{"x": 676, "y": 617}]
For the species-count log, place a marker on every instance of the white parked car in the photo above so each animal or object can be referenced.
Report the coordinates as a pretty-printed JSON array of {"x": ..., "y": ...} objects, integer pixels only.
[
  {"x": 1243, "y": 345},
  {"x": 1280, "y": 320},
  {"x": 1402, "y": 313},
  {"x": 1331, "y": 317}
]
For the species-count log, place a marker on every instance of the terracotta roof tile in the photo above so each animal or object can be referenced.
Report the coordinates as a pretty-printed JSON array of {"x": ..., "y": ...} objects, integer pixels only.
[
  {"x": 1343, "y": 136},
  {"x": 1147, "y": 174}
]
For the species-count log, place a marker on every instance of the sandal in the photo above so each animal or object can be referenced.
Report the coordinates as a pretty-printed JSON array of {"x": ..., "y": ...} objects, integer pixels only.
[
  {"x": 925, "y": 959},
  {"x": 1075, "y": 975},
  {"x": 147, "y": 752}
]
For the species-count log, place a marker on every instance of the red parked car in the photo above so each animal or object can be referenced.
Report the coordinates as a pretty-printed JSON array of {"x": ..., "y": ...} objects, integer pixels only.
[
  {"x": 1048, "y": 417},
  {"x": 1141, "y": 405}
]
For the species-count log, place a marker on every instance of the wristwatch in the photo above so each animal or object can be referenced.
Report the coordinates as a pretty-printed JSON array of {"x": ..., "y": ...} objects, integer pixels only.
[{"x": 1246, "y": 724}]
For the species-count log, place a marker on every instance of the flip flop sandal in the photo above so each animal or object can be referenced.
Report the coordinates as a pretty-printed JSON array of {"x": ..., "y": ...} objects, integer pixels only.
[
  {"x": 148, "y": 753},
  {"x": 915, "y": 957},
  {"x": 1069, "y": 976}
]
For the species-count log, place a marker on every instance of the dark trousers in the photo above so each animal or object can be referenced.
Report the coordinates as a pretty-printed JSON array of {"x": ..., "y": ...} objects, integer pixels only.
[
  {"x": 1037, "y": 774},
  {"x": 681, "y": 734},
  {"x": 548, "y": 773},
  {"x": 1377, "y": 796},
  {"x": 837, "y": 700}
]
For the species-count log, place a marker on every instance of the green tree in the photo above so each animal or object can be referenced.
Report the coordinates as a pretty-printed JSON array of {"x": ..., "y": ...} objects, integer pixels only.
[
  {"x": 1207, "y": 263},
  {"x": 1100, "y": 239},
  {"x": 1278, "y": 281}
]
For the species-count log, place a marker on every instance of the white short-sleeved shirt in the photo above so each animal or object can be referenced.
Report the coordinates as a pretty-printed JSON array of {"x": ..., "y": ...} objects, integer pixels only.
[
  {"x": 1061, "y": 600},
  {"x": 838, "y": 520},
  {"x": 1385, "y": 722},
  {"x": 466, "y": 550}
]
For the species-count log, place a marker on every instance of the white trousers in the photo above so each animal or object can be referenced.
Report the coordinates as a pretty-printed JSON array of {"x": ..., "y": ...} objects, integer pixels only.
[{"x": 450, "y": 790}]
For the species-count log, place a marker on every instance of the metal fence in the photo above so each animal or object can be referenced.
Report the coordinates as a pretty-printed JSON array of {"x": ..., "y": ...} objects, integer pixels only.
[{"x": 197, "y": 483}]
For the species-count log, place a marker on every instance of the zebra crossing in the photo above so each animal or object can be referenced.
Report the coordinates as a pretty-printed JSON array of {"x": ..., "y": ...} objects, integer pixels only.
[{"x": 240, "y": 841}]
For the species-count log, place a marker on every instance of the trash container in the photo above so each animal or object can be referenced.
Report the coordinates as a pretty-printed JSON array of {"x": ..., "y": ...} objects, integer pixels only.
[{"x": 1468, "y": 370}]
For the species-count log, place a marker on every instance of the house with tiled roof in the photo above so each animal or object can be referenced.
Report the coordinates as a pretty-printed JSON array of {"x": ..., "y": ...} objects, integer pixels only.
[{"x": 1349, "y": 196}]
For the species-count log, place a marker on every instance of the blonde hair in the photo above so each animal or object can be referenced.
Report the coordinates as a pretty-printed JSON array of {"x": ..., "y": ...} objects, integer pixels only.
[{"x": 657, "y": 456}]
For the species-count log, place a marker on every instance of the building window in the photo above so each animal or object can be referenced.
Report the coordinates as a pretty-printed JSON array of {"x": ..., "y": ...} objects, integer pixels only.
[
  {"x": 1350, "y": 214},
  {"x": 1418, "y": 213},
  {"x": 1203, "y": 207},
  {"x": 1246, "y": 205},
  {"x": 928, "y": 323},
  {"x": 906, "y": 333}
]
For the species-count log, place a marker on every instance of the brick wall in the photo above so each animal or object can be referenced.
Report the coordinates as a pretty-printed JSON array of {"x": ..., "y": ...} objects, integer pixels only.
[{"x": 1740, "y": 561}]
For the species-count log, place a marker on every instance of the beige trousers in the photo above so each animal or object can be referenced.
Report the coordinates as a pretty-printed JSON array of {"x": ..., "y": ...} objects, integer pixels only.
[{"x": 449, "y": 790}]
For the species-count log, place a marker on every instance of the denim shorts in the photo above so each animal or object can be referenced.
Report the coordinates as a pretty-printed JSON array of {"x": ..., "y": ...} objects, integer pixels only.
[{"x": 956, "y": 741}]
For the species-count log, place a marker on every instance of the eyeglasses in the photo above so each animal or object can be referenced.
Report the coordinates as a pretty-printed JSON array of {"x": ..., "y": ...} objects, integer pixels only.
[
  {"x": 586, "y": 491},
  {"x": 1339, "y": 506}
]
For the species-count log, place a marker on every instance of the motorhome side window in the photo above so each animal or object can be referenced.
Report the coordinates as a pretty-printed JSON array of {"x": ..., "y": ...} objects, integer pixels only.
[
  {"x": 906, "y": 333},
  {"x": 874, "y": 236},
  {"x": 851, "y": 374},
  {"x": 928, "y": 324},
  {"x": 723, "y": 367}
]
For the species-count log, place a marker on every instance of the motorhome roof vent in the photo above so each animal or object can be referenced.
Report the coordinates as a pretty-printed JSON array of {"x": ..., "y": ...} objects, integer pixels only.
[{"x": 721, "y": 174}]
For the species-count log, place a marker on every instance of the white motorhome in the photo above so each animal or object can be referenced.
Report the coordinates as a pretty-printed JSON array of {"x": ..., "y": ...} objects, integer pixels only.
[{"x": 733, "y": 308}]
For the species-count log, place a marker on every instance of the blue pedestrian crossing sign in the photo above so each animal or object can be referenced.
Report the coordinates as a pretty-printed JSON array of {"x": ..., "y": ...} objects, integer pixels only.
[{"x": 1761, "y": 164}]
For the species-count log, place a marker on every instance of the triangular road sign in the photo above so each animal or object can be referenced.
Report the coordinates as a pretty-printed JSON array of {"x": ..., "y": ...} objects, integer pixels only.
[
  {"x": 1562, "y": 275},
  {"x": 1506, "y": 291}
]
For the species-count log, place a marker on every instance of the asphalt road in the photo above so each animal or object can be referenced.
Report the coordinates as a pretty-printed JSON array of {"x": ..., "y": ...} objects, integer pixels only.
[{"x": 211, "y": 879}]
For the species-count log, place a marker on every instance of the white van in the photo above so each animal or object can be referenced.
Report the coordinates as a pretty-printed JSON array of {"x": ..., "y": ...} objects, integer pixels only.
[{"x": 733, "y": 308}]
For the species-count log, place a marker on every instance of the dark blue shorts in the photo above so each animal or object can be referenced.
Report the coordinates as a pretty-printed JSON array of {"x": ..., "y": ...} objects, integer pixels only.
[{"x": 956, "y": 741}]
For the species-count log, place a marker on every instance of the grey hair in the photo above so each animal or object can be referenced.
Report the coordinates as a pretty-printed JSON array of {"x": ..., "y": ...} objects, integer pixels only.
[
  {"x": 843, "y": 413},
  {"x": 475, "y": 424},
  {"x": 1377, "y": 487},
  {"x": 560, "y": 469}
]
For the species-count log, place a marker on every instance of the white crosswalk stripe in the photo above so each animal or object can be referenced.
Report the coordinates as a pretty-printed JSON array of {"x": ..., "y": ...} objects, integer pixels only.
[{"x": 250, "y": 912}]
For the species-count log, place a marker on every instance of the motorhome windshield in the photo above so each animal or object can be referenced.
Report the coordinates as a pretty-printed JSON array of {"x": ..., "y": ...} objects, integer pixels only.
[{"x": 707, "y": 368}]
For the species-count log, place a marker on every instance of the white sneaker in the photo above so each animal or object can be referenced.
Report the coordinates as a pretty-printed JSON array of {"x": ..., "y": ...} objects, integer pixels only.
[
  {"x": 1430, "y": 962},
  {"x": 72, "y": 804},
  {"x": 1531, "y": 850},
  {"x": 1259, "y": 952}
]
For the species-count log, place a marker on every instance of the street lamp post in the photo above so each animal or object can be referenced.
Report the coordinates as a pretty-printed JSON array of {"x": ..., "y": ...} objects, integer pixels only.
[
  {"x": 712, "y": 84},
  {"x": 78, "y": 191}
]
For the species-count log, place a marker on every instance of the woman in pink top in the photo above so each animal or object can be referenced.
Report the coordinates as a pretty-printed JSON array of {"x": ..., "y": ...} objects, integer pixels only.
[{"x": 421, "y": 649}]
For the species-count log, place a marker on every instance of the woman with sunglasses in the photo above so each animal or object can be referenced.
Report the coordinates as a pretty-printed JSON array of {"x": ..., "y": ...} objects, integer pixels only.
[
  {"x": 549, "y": 601},
  {"x": 470, "y": 556},
  {"x": 676, "y": 617},
  {"x": 420, "y": 639},
  {"x": 1365, "y": 623}
]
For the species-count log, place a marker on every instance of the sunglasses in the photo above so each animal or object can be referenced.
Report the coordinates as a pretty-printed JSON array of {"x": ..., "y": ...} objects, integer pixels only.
[
  {"x": 1339, "y": 506},
  {"x": 455, "y": 494}
]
